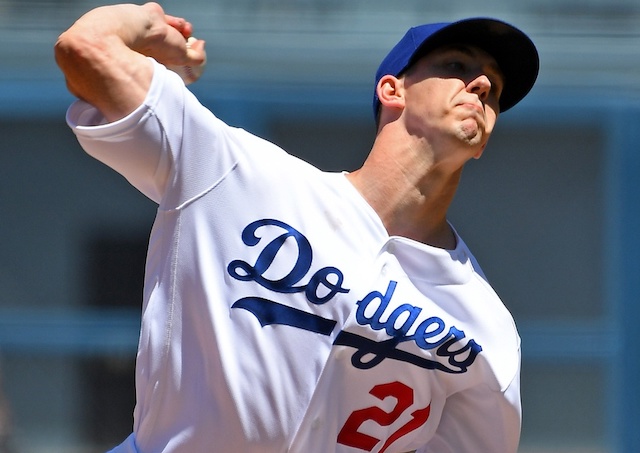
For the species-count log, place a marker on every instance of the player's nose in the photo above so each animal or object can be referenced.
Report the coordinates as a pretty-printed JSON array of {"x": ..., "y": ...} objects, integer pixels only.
[{"x": 480, "y": 85}]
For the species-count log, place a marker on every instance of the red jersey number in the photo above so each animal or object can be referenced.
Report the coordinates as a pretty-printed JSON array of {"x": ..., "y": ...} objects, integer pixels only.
[{"x": 351, "y": 436}]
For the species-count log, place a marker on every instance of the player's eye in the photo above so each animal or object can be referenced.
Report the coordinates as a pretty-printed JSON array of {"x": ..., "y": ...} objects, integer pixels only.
[{"x": 455, "y": 66}]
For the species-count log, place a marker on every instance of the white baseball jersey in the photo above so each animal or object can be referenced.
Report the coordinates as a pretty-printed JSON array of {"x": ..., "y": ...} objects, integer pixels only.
[{"x": 279, "y": 315}]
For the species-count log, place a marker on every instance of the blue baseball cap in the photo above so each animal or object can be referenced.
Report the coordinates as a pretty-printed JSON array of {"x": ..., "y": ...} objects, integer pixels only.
[{"x": 514, "y": 52}]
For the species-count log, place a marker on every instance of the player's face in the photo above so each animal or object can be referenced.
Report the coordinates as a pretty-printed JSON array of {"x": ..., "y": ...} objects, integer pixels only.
[{"x": 452, "y": 93}]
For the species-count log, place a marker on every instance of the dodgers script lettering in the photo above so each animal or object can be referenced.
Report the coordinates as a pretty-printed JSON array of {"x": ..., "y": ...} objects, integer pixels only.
[{"x": 402, "y": 322}]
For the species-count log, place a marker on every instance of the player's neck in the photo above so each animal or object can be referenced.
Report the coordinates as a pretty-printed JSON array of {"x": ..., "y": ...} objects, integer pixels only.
[{"x": 409, "y": 205}]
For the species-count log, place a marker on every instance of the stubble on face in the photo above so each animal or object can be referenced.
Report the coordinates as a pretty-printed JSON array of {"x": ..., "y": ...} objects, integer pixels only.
[{"x": 471, "y": 131}]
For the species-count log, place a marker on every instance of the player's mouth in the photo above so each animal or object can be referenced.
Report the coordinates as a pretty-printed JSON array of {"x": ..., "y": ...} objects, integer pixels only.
[{"x": 473, "y": 107}]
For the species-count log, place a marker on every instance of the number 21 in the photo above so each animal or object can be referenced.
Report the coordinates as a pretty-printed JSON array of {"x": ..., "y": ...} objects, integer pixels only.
[{"x": 349, "y": 434}]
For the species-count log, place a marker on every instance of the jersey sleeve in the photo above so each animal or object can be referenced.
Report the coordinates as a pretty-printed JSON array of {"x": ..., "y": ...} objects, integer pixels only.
[{"x": 171, "y": 148}]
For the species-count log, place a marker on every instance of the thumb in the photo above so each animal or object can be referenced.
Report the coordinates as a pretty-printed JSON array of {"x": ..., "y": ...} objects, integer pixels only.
[
  {"x": 196, "y": 58},
  {"x": 196, "y": 53}
]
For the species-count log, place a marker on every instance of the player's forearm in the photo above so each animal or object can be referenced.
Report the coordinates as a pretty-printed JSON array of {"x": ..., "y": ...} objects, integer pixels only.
[
  {"x": 97, "y": 58},
  {"x": 133, "y": 25},
  {"x": 102, "y": 55}
]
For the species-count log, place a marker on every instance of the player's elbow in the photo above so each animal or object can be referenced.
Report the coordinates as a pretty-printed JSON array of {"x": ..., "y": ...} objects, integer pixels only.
[
  {"x": 73, "y": 51},
  {"x": 83, "y": 61}
]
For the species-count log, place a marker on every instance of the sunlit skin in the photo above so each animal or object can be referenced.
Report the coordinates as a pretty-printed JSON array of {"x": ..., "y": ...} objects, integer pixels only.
[{"x": 433, "y": 119}]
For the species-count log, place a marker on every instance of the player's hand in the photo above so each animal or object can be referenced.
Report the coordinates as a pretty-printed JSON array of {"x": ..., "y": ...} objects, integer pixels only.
[
  {"x": 197, "y": 60},
  {"x": 174, "y": 46}
]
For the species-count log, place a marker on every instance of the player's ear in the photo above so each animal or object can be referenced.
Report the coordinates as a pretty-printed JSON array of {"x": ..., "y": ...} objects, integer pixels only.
[{"x": 390, "y": 92}]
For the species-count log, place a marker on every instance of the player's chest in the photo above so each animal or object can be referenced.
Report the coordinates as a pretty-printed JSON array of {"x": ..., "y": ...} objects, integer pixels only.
[{"x": 380, "y": 306}]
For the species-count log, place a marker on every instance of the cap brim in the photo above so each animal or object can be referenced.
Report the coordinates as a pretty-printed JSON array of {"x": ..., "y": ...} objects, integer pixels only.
[{"x": 514, "y": 52}]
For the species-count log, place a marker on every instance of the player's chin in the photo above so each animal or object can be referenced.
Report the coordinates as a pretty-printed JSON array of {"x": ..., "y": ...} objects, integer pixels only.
[{"x": 472, "y": 132}]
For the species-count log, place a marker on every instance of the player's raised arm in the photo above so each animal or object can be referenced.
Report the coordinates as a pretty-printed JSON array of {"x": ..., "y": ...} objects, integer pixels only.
[{"x": 103, "y": 54}]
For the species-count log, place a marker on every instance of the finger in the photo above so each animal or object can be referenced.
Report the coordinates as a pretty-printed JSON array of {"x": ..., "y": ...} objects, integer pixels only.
[
  {"x": 180, "y": 24},
  {"x": 196, "y": 51}
]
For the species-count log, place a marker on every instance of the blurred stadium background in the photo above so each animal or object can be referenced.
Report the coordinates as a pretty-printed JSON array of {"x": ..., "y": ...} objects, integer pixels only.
[{"x": 552, "y": 210}]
